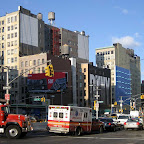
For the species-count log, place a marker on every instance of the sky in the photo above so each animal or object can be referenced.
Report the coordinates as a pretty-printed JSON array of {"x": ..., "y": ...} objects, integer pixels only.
[{"x": 105, "y": 21}]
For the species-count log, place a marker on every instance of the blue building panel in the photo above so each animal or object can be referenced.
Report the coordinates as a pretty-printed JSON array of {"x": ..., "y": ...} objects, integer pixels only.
[{"x": 123, "y": 85}]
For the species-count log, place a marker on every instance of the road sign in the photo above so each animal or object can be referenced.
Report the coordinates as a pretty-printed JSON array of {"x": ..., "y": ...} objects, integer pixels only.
[
  {"x": 7, "y": 96},
  {"x": 100, "y": 101},
  {"x": 6, "y": 87},
  {"x": 37, "y": 99}
]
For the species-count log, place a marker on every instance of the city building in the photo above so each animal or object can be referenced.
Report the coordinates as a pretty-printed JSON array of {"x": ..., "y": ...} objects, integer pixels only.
[
  {"x": 25, "y": 34},
  {"x": 125, "y": 71},
  {"x": 96, "y": 82}
]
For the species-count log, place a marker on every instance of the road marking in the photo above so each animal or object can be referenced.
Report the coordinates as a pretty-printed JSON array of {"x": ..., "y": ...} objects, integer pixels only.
[{"x": 104, "y": 138}]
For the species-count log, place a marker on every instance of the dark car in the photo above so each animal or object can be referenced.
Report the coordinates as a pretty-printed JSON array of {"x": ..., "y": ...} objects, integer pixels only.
[
  {"x": 97, "y": 125},
  {"x": 109, "y": 124}
]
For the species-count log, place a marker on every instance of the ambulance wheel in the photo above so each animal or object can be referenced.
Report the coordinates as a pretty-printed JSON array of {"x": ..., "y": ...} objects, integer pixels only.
[
  {"x": 78, "y": 131},
  {"x": 13, "y": 132}
]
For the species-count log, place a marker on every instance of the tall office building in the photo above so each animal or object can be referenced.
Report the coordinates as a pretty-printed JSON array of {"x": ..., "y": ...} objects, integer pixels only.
[
  {"x": 23, "y": 33},
  {"x": 125, "y": 71}
]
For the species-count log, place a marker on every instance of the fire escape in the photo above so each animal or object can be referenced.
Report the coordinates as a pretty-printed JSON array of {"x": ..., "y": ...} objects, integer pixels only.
[{"x": 55, "y": 49}]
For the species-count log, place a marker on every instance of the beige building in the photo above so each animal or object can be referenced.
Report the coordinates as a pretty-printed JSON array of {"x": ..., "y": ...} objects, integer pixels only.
[{"x": 116, "y": 55}]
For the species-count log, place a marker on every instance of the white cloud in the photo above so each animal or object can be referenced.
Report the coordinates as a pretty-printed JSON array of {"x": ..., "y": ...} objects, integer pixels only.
[
  {"x": 127, "y": 41},
  {"x": 125, "y": 11},
  {"x": 137, "y": 35}
]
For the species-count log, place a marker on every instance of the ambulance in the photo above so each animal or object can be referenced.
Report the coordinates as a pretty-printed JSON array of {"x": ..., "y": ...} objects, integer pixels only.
[{"x": 69, "y": 119}]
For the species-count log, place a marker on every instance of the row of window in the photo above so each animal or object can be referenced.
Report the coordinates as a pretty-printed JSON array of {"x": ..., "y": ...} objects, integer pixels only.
[
  {"x": 12, "y": 51},
  {"x": 11, "y": 60},
  {"x": 12, "y": 43},
  {"x": 34, "y": 62},
  {"x": 12, "y": 19},
  {"x": 8, "y": 36},
  {"x": 105, "y": 53},
  {"x": 34, "y": 70},
  {"x": 13, "y": 27}
]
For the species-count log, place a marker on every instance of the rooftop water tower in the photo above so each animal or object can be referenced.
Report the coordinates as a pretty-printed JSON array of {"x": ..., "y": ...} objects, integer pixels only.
[{"x": 51, "y": 17}]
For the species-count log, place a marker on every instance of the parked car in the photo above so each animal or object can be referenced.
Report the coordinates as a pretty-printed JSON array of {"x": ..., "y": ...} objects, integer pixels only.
[
  {"x": 98, "y": 125},
  {"x": 122, "y": 119},
  {"x": 109, "y": 124},
  {"x": 133, "y": 123}
]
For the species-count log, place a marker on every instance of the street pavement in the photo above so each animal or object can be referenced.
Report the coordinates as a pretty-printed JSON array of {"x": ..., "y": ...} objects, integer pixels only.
[{"x": 41, "y": 136}]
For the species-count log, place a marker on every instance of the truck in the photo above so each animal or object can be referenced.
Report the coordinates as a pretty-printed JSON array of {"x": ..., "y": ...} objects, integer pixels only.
[
  {"x": 13, "y": 126},
  {"x": 134, "y": 114},
  {"x": 71, "y": 119}
]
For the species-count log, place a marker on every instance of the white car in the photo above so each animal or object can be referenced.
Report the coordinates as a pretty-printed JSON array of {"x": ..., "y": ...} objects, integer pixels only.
[{"x": 122, "y": 119}]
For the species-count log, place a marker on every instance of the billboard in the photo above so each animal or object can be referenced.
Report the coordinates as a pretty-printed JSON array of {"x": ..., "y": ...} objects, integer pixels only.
[
  {"x": 41, "y": 83},
  {"x": 123, "y": 84}
]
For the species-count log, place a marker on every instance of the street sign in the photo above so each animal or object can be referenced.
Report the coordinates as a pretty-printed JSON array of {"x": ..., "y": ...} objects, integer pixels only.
[
  {"x": 37, "y": 99},
  {"x": 100, "y": 101},
  {"x": 7, "y": 96},
  {"x": 6, "y": 87}
]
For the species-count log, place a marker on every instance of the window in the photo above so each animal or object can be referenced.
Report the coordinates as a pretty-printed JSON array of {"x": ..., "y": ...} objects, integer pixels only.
[
  {"x": 12, "y": 35},
  {"x": 15, "y": 85},
  {"x": 8, "y": 36},
  {"x": 111, "y": 52},
  {"x": 8, "y": 44},
  {"x": 8, "y": 20},
  {"x": 12, "y": 60},
  {"x": 80, "y": 84},
  {"x": 8, "y": 52},
  {"x": 12, "y": 27},
  {"x": 55, "y": 114},
  {"x": 15, "y": 26},
  {"x": 30, "y": 63},
  {"x": 38, "y": 70},
  {"x": 2, "y": 29},
  {"x": 15, "y": 42},
  {"x": 15, "y": 59},
  {"x": 12, "y": 51},
  {"x": 42, "y": 60},
  {"x": 85, "y": 115},
  {"x": 8, "y": 60},
  {"x": 15, "y": 51},
  {"x": 12, "y": 19},
  {"x": 15, "y": 18},
  {"x": 22, "y": 64},
  {"x": 26, "y": 63},
  {"x": 16, "y": 34},
  {"x": 2, "y": 37},
  {"x": 2, "y": 45},
  {"x": 15, "y": 67},
  {"x": 60, "y": 115},
  {"x": 8, "y": 28},
  {"x": 84, "y": 76},
  {"x": 43, "y": 70},
  {"x": 11, "y": 43},
  {"x": 38, "y": 62},
  {"x": 84, "y": 69},
  {"x": 34, "y": 62},
  {"x": 2, "y": 22}
]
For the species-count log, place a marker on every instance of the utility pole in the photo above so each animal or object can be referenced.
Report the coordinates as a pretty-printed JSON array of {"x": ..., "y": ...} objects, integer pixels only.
[{"x": 121, "y": 101}]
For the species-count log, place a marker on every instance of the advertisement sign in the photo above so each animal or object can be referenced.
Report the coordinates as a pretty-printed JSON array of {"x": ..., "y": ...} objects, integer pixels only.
[{"x": 41, "y": 83}]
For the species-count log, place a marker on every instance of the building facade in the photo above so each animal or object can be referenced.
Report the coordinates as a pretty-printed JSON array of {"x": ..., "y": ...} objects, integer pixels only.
[
  {"x": 96, "y": 82},
  {"x": 118, "y": 57}
]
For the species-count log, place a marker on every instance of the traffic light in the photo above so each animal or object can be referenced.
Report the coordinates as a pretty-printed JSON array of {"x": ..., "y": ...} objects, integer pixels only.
[
  {"x": 95, "y": 105},
  {"x": 43, "y": 99},
  {"x": 49, "y": 71},
  {"x": 115, "y": 103}
]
